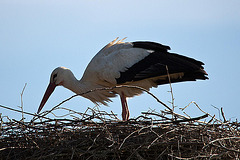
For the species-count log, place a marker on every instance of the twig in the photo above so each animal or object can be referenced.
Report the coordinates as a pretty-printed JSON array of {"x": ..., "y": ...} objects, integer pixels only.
[
  {"x": 181, "y": 116},
  {"x": 224, "y": 119},
  {"x": 200, "y": 110},
  {"x": 162, "y": 136},
  {"x": 22, "y": 101},
  {"x": 218, "y": 111},
  {"x": 220, "y": 139},
  {"x": 191, "y": 119},
  {"x": 156, "y": 114},
  {"x": 23, "y": 112},
  {"x": 171, "y": 90},
  {"x": 211, "y": 120},
  {"x": 131, "y": 135}
]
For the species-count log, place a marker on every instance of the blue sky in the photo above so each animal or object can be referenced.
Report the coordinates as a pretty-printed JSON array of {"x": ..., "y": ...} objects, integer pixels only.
[{"x": 38, "y": 36}]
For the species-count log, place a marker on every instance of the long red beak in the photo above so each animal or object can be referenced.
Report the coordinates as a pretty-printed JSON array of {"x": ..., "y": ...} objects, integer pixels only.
[{"x": 47, "y": 94}]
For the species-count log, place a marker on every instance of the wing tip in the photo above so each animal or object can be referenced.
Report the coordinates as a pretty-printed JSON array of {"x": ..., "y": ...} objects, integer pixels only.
[{"x": 151, "y": 45}]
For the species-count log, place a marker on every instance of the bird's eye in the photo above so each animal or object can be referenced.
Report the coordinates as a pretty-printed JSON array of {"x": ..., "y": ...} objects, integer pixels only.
[{"x": 54, "y": 77}]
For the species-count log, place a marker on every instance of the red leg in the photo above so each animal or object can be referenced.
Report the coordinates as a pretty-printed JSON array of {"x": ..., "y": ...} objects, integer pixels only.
[{"x": 125, "y": 111}]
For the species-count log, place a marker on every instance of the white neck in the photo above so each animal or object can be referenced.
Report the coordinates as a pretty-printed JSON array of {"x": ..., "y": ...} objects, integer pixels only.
[{"x": 74, "y": 85}]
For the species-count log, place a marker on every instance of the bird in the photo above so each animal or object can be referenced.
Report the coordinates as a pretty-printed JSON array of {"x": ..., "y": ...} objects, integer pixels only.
[{"x": 144, "y": 64}]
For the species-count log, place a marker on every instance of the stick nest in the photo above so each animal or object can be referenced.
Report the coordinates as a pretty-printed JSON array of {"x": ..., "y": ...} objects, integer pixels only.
[
  {"x": 97, "y": 134},
  {"x": 101, "y": 135}
]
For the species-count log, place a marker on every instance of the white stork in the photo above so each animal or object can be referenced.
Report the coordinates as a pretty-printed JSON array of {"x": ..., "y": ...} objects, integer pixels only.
[{"x": 141, "y": 64}]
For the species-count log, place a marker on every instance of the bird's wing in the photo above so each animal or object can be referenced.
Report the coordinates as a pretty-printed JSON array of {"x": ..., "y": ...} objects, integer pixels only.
[
  {"x": 160, "y": 63},
  {"x": 128, "y": 62}
]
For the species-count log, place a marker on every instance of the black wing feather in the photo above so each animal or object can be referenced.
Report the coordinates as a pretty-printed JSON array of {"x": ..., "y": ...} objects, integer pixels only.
[
  {"x": 151, "y": 46},
  {"x": 155, "y": 65}
]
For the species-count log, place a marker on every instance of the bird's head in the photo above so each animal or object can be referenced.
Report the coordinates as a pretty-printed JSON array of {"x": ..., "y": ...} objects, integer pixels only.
[{"x": 59, "y": 77}]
